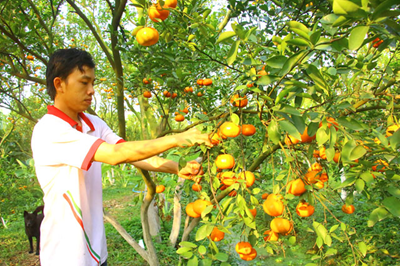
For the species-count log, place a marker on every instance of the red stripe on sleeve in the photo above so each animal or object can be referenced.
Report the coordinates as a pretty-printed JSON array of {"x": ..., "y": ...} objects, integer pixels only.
[{"x": 87, "y": 162}]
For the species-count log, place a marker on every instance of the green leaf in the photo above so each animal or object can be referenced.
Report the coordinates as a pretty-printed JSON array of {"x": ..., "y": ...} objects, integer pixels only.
[
  {"x": 233, "y": 52},
  {"x": 276, "y": 61},
  {"x": 367, "y": 177},
  {"x": 344, "y": 7},
  {"x": 363, "y": 248},
  {"x": 202, "y": 250},
  {"x": 187, "y": 244},
  {"x": 289, "y": 128},
  {"x": 318, "y": 79},
  {"x": 284, "y": 108},
  {"x": 377, "y": 215},
  {"x": 357, "y": 36},
  {"x": 266, "y": 80},
  {"x": 183, "y": 250},
  {"x": 193, "y": 261},
  {"x": 225, "y": 35},
  {"x": 392, "y": 204},
  {"x": 206, "y": 262},
  {"x": 319, "y": 241},
  {"x": 333, "y": 228},
  {"x": 298, "y": 42},
  {"x": 350, "y": 123},
  {"x": 273, "y": 132},
  {"x": 291, "y": 62},
  {"x": 322, "y": 136},
  {"x": 384, "y": 6},
  {"x": 359, "y": 185},
  {"x": 221, "y": 257},
  {"x": 235, "y": 118},
  {"x": 203, "y": 232},
  {"x": 357, "y": 152},
  {"x": 394, "y": 191},
  {"x": 331, "y": 252}
]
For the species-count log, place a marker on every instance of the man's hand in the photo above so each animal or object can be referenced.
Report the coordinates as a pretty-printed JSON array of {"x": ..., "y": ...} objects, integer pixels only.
[
  {"x": 191, "y": 170},
  {"x": 193, "y": 136}
]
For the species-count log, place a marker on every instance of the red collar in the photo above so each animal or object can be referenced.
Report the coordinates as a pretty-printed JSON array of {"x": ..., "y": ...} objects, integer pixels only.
[{"x": 52, "y": 110}]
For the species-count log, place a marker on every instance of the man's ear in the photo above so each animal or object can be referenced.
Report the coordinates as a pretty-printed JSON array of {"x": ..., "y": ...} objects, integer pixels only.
[{"x": 58, "y": 84}]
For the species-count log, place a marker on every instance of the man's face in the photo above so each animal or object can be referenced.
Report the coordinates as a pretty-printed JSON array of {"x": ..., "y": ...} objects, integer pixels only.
[{"x": 77, "y": 89}]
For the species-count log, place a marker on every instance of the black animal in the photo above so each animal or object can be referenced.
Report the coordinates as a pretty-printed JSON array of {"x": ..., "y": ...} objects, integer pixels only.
[{"x": 32, "y": 227}]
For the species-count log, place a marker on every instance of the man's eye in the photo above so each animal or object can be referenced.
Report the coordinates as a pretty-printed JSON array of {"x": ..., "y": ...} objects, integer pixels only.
[{"x": 84, "y": 83}]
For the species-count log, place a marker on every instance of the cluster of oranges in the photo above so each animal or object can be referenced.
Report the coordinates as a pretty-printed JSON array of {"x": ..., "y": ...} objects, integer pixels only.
[
  {"x": 194, "y": 209},
  {"x": 148, "y": 36}
]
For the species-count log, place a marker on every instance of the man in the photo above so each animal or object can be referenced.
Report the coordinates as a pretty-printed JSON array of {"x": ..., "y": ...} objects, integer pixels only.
[{"x": 68, "y": 149}]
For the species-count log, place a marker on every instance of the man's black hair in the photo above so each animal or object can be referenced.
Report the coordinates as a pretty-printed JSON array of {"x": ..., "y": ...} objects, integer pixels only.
[{"x": 62, "y": 63}]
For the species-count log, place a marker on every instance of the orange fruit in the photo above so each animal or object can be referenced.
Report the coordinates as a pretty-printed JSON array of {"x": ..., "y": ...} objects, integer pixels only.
[
  {"x": 380, "y": 165},
  {"x": 322, "y": 153},
  {"x": 185, "y": 110},
  {"x": 167, "y": 94},
  {"x": 273, "y": 205},
  {"x": 248, "y": 257},
  {"x": 248, "y": 130},
  {"x": 225, "y": 161},
  {"x": 290, "y": 140},
  {"x": 207, "y": 82},
  {"x": 349, "y": 209},
  {"x": 250, "y": 85},
  {"x": 316, "y": 153},
  {"x": 391, "y": 129},
  {"x": 232, "y": 193},
  {"x": 253, "y": 212},
  {"x": 239, "y": 101},
  {"x": 200, "y": 205},
  {"x": 217, "y": 235},
  {"x": 331, "y": 121},
  {"x": 281, "y": 226},
  {"x": 190, "y": 211},
  {"x": 147, "y": 36},
  {"x": 296, "y": 187},
  {"x": 170, "y": 3},
  {"x": 323, "y": 177},
  {"x": 336, "y": 157},
  {"x": 305, "y": 138},
  {"x": 188, "y": 89},
  {"x": 196, "y": 187},
  {"x": 200, "y": 82},
  {"x": 174, "y": 95},
  {"x": 315, "y": 167},
  {"x": 319, "y": 185},
  {"x": 214, "y": 138},
  {"x": 264, "y": 196},
  {"x": 243, "y": 247},
  {"x": 303, "y": 209},
  {"x": 147, "y": 94},
  {"x": 228, "y": 178},
  {"x": 270, "y": 236},
  {"x": 230, "y": 129},
  {"x": 312, "y": 177},
  {"x": 157, "y": 12},
  {"x": 248, "y": 176},
  {"x": 179, "y": 118},
  {"x": 160, "y": 188},
  {"x": 199, "y": 94},
  {"x": 30, "y": 57},
  {"x": 146, "y": 81},
  {"x": 262, "y": 73}
]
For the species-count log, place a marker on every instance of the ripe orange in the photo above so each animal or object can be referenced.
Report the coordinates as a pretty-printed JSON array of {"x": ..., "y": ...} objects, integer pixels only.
[
  {"x": 312, "y": 177},
  {"x": 331, "y": 121},
  {"x": 248, "y": 130},
  {"x": 228, "y": 178},
  {"x": 170, "y": 3},
  {"x": 217, "y": 235},
  {"x": 147, "y": 36},
  {"x": 225, "y": 161},
  {"x": 248, "y": 176},
  {"x": 207, "y": 82},
  {"x": 147, "y": 94},
  {"x": 214, "y": 138},
  {"x": 232, "y": 193},
  {"x": 200, "y": 205},
  {"x": 349, "y": 209},
  {"x": 315, "y": 167},
  {"x": 239, "y": 101},
  {"x": 185, "y": 110},
  {"x": 179, "y": 118},
  {"x": 196, "y": 187},
  {"x": 199, "y": 94},
  {"x": 230, "y": 129},
  {"x": 264, "y": 196},
  {"x": 30, "y": 57},
  {"x": 319, "y": 185},
  {"x": 146, "y": 81},
  {"x": 160, "y": 188},
  {"x": 323, "y": 177},
  {"x": 188, "y": 89},
  {"x": 253, "y": 212},
  {"x": 281, "y": 226},
  {"x": 250, "y": 85},
  {"x": 174, "y": 95},
  {"x": 336, "y": 157},
  {"x": 304, "y": 209},
  {"x": 305, "y": 138},
  {"x": 157, "y": 12},
  {"x": 380, "y": 165},
  {"x": 290, "y": 140},
  {"x": 316, "y": 153},
  {"x": 391, "y": 129},
  {"x": 190, "y": 211},
  {"x": 273, "y": 205},
  {"x": 248, "y": 257},
  {"x": 243, "y": 247},
  {"x": 200, "y": 82},
  {"x": 296, "y": 187},
  {"x": 270, "y": 236},
  {"x": 322, "y": 153},
  {"x": 167, "y": 94}
]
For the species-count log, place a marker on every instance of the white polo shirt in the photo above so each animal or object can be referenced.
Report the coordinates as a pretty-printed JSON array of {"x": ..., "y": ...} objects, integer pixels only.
[{"x": 72, "y": 231}]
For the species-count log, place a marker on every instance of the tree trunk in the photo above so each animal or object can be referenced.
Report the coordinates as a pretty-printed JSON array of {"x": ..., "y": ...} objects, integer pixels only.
[{"x": 176, "y": 225}]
